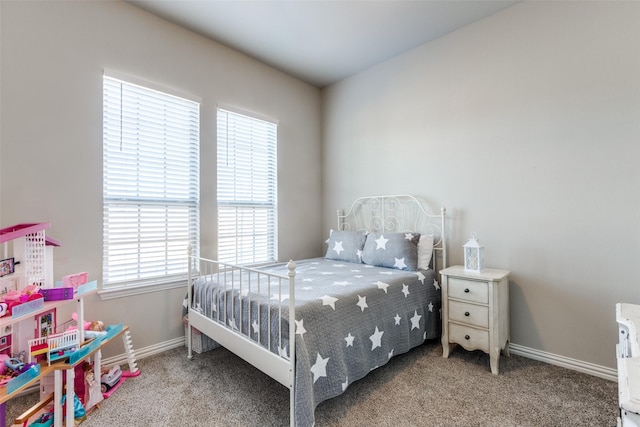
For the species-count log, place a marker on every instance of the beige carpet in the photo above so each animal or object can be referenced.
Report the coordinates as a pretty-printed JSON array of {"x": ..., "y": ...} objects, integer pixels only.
[{"x": 419, "y": 388}]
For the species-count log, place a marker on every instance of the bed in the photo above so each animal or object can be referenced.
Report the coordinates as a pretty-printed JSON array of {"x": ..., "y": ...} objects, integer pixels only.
[{"x": 374, "y": 294}]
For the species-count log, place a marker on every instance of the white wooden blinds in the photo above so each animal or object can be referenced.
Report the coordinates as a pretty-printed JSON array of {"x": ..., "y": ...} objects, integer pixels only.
[
  {"x": 151, "y": 183},
  {"x": 247, "y": 189}
]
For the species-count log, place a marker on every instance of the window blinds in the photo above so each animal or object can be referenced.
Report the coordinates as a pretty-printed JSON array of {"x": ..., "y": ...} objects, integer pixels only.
[
  {"x": 150, "y": 183},
  {"x": 247, "y": 189}
]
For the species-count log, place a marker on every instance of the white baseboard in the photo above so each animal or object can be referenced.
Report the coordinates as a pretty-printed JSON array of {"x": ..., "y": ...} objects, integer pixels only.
[
  {"x": 565, "y": 362},
  {"x": 610, "y": 374},
  {"x": 141, "y": 353}
]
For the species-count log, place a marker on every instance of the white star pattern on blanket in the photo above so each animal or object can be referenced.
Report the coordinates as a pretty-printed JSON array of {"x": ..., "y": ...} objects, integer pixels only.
[
  {"x": 405, "y": 290},
  {"x": 349, "y": 339},
  {"x": 362, "y": 302},
  {"x": 282, "y": 351},
  {"x": 342, "y": 283},
  {"x": 376, "y": 339},
  {"x": 300, "y": 330},
  {"x": 415, "y": 321},
  {"x": 382, "y": 285},
  {"x": 233, "y": 324},
  {"x": 330, "y": 301},
  {"x": 319, "y": 368},
  {"x": 397, "y": 319}
]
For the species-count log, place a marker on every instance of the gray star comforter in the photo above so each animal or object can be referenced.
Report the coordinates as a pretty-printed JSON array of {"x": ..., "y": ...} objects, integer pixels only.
[{"x": 350, "y": 319}]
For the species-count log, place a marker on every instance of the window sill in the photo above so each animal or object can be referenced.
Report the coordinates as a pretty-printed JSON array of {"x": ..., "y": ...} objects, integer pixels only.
[{"x": 114, "y": 292}]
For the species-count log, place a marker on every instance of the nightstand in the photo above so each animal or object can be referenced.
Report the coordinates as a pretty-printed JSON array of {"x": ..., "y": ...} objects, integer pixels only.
[{"x": 475, "y": 311}]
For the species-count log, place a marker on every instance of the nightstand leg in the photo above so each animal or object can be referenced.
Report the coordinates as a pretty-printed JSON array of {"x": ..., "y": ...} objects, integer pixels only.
[
  {"x": 495, "y": 360},
  {"x": 446, "y": 348},
  {"x": 506, "y": 350}
]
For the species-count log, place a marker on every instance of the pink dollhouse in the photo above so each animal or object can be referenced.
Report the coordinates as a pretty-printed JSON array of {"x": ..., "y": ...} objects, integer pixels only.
[{"x": 26, "y": 258}]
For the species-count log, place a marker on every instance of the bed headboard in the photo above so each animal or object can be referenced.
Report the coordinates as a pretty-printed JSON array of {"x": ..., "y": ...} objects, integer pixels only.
[{"x": 396, "y": 214}]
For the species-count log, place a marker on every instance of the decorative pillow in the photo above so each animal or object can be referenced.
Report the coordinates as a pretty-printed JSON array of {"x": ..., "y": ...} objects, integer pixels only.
[
  {"x": 393, "y": 250},
  {"x": 425, "y": 251},
  {"x": 345, "y": 245}
]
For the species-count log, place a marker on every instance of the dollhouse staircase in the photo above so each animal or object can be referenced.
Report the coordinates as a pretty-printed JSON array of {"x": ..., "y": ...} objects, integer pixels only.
[{"x": 131, "y": 355}]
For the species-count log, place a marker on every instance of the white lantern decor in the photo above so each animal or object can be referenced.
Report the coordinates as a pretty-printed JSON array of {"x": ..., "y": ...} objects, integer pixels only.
[{"x": 473, "y": 255}]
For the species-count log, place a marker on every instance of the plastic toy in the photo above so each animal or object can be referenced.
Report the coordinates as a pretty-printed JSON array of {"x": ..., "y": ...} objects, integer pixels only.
[
  {"x": 44, "y": 420},
  {"x": 14, "y": 364},
  {"x": 56, "y": 346},
  {"x": 93, "y": 329},
  {"x": 110, "y": 379},
  {"x": 3, "y": 366},
  {"x": 93, "y": 389},
  {"x": 79, "y": 413}
]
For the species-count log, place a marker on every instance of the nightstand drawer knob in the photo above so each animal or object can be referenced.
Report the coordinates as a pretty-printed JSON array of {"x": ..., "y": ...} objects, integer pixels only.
[
  {"x": 466, "y": 313},
  {"x": 466, "y": 291},
  {"x": 466, "y": 337}
]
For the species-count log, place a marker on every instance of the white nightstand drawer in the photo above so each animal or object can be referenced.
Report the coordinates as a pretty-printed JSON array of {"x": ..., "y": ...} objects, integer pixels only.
[
  {"x": 468, "y": 290},
  {"x": 476, "y": 315},
  {"x": 469, "y": 337}
]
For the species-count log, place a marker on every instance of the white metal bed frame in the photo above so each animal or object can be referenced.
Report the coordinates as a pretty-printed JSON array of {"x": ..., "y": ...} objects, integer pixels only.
[{"x": 395, "y": 213}]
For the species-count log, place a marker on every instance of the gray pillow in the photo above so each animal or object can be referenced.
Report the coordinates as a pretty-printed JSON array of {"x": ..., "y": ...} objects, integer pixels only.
[
  {"x": 345, "y": 245},
  {"x": 393, "y": 250}
]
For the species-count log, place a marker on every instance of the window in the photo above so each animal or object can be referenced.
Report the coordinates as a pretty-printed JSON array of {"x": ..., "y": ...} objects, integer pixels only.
[
  {"x": 150, "y": 184},
  {"x": 247, "y": 189}
]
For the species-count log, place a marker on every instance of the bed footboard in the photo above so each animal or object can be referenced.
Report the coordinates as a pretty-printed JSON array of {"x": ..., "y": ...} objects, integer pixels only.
[{"x": 248, "y": 313}]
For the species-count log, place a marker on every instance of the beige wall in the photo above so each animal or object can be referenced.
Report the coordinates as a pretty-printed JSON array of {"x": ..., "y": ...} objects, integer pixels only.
[
  {"x": 53, "y": 57},
  {"x": 526, "y": 126}
]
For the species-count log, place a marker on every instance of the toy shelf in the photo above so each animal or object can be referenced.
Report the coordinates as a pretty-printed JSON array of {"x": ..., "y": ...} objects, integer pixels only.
[
  {"x": 48, "y": 305},
  {"x": 44, "y": 368},
  {"x": 88, "y": 349},
  {"x": 44, "y": 371}
]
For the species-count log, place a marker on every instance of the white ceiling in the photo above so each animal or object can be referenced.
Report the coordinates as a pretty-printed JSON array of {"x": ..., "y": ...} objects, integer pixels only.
[{"x": 322, "y": 41}]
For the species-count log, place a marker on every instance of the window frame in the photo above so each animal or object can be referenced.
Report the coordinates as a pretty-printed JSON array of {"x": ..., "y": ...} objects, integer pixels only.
[
  {"x": 258, "y": 133},
  {"x": 184, "y": 199}
]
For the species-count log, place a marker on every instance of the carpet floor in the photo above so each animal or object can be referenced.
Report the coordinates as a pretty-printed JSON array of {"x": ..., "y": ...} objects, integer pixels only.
[{"x": 419, "y": 388}]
